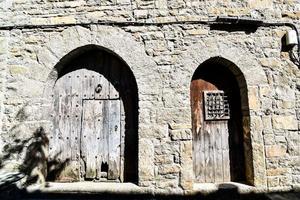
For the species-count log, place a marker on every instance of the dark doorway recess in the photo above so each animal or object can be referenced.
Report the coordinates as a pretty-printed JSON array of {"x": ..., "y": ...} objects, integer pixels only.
[
  {"x": 96, "y": 93},
  {"x": 217, "y": 121}
]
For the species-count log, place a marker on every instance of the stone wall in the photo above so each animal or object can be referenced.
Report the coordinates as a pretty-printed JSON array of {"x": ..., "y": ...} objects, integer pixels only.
[{"x": 163, "y": 59}]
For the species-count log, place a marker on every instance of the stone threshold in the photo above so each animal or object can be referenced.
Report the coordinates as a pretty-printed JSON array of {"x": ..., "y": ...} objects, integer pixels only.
[
  {"x": 207, "y": 188},
  {"x": 90, "y": 187},
  {"x": 87, "y": 187}
]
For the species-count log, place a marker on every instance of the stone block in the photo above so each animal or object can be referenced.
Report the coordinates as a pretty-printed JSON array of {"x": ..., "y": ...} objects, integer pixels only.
[
  {"x": 167, "y": 148},
  {"x": 16, "y": 70},
  {"x": 187, "y": 175},
  {"x": 164, "y": 159},
  {"x": 3, "y": 45},
  {"x": 197, "y": 32},
  {"x": 256, "y": 124},
  {"x": 175, "y": 126},
  {"x": 267, "y": 122},
  {"x": 288, "y": 104},
  {"x": 182, "y": 134},
  {"x": 153, "y": 131},
  {"x": 284, "y": 122},
  {"x": 39, "y": 21},
  {"x": 293, "y": 141},
  {"x": 141, "y": 14},
  {"x": 265, "y": 91},
  {"x": 270, "y": 62},
  {"x": 292, "y": 15},
  {"x": 169, "y": 169},
  {"x": 277, "y": 171},
  {"x": 285, "y": 180},
  {"x": 254, "y": 102},
  {"x": 161, "y": 4},
  {"x": 280, "y": 139},
  {"x": 275, "y": 151},
  {"x": 177, "y": 115},
  {"x": 284, "y": 93},
  {"x": 123, "y": 2},
  {"x": 269, "y": 139},
  {"x": 63, "y": 20},
  {"x": 95, "y": 15},
  {"x": 273, "y": 181},
  {"x": 163, "y": 184},
  {"x": 259, "y": 167},
  {"x": 146, "y": 160}
]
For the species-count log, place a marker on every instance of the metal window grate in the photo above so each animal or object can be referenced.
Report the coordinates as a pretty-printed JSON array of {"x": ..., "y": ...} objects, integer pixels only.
[{"x": 216, "y": 105}]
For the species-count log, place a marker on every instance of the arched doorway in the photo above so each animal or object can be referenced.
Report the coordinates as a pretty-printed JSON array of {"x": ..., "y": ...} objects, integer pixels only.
[
  {"x": 95, "y": 118},
  {"x": 219, "y": 105}
]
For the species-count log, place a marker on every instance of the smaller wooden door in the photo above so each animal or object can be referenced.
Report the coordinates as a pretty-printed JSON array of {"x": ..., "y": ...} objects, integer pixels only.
[
  {"x": 210, "y": 113},
  {"x": 101, "y": 139}
]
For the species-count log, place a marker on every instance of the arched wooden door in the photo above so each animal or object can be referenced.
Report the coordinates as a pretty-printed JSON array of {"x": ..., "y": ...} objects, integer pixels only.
[
  {"x": 88, "y": 127},
  {"x": 211, "y": 149},
  {"x": 218, "y": 144}
]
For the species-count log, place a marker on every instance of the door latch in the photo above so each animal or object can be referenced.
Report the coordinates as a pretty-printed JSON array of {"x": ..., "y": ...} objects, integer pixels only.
[{"x": 98, "y": 88}]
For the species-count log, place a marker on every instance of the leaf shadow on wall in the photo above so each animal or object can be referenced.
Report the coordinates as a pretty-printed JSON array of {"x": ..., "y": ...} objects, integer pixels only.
[{"x": 36, "y": 167}]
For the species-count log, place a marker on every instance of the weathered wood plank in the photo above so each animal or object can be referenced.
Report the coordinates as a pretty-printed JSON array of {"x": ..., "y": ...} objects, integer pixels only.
[
  {"x": 54, "y": 147},
  {"x": 225, "y": 147},
  {"x": 212, "y": 147},
  {"x": 206, "y": 154},
  {"x": 99, "y": 134},
  {"x": 66, "y": 134},
  {"x": 114, "y": 140},
  {"x": 62, "y": 120},
  {"x": 89, "y": 142},
  {"x": 77, "y": 77},
  {"x": 219, "y": 155},
  {"x": 105, "y": 132},
  {"x": 122, "y": 142}
]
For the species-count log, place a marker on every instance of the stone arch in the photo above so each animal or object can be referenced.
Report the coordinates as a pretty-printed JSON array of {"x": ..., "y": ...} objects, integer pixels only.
[
  {"x": 219, "y": 74},
  {"x": 98, "y": 66},
  {"x": 249, "y": 75},
  {"x": 113, "y": 40}
]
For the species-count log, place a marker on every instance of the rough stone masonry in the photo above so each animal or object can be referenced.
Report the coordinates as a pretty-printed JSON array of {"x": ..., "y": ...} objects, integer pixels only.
[{"x": 163, "y": 59}]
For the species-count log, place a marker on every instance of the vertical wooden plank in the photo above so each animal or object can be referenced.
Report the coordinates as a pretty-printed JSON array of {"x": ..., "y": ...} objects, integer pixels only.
[
  {"x": 219, "y": 155},
  {"x": 212, "y": 146},
  {"x": 62, "y": 120},
  {"x": 114, "y": 140},
  {"x": 99, "y": 135},
  {"x": 201, "y": 156},
  {"x": 89, "y": 143},
  {"x": 77, "y": 78},
  {"x": 85, "y": 84},
  {"x": 67, "y": 114},
  {"x": 201, "y": 142},
  {"x": 54, "y": 142},
  {"x": 122, "y": 143},
  {"x": 225, "y": 147},
  {"x": 105, "y": 132},
  {"x": 206, "y": 153},
  {"x": 88, "y": 83},
  {"x": 196, "y": 154},
  {"x": 209, "y": 156},
  {"x": 92, "y": 84}
]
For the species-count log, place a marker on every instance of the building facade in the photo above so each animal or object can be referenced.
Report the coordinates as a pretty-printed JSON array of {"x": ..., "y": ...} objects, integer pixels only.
[{"x": 153, "y": 92}]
